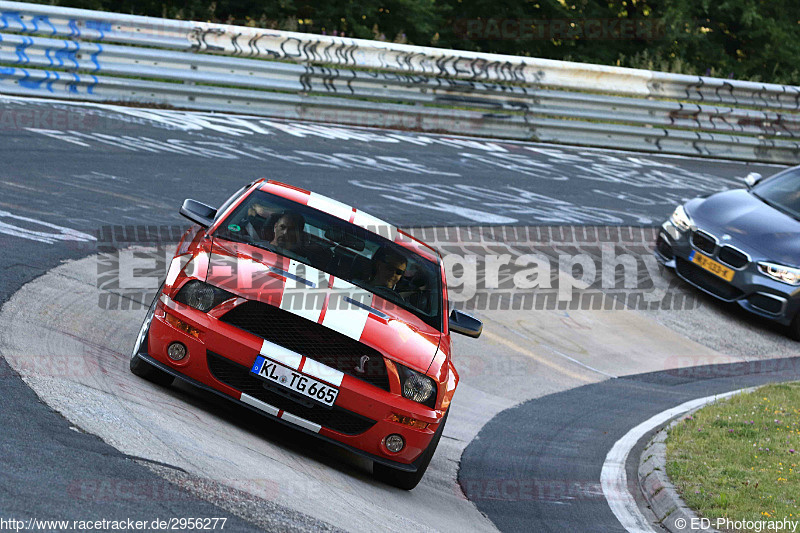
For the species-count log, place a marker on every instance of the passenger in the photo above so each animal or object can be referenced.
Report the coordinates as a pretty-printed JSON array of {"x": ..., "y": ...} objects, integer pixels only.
[{"x": 388, "y": 268}]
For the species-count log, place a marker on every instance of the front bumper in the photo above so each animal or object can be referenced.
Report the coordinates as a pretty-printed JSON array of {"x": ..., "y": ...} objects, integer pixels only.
[
  {"x": 220, "y": 359},
  {"x": 749, "y": 288}
]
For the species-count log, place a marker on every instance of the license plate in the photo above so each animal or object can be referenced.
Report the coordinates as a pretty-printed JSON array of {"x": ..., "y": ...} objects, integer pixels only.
[
  {"x": 712, "y": 266},
  {"x": 295, "y": 381}
]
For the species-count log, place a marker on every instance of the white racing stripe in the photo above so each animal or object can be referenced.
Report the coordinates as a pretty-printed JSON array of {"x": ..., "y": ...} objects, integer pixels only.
[
  {"x": 299, "y": 297},
  {"x": 613, "y": 477},
  {"x": 343, "y": 316},
  {"x": 281, "y": 355},
  {"x": 324, "y": 372},
  {"x": 330, "y": 206},
  {"x": 340, "y": 284},
  {"x": 302, "y": 422},
  {"x": 258, "y": 404},
  {"x": 274, "y": 411},
  {"x": 375, "y": 225}
]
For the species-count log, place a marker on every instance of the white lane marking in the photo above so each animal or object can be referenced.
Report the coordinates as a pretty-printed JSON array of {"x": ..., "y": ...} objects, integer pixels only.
[
  {"x": 258, "y": 404},
  {"x": 199, "y": 120},
  {"x": 613, "y": 477},
  {"x": 64, "y": 234},
  {"x": 302, "y": 422},
  {"x": 475, "y": 215},
  {"x": 281, "y": 354},
  {"x": 323, "y": 372}
]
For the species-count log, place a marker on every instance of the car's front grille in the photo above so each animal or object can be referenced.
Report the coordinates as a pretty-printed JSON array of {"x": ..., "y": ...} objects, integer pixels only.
[
  {"x": 706, "y": 280},
  {"x": 703, "y": 242},
  {"x": 767, "y": 304},
  {"x": 313, "y": 340},
  {"x": 238, "y": 377},
  {"x": 733, "y": 257}
]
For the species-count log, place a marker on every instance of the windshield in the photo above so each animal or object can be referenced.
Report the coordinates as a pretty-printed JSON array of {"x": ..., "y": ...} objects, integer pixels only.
[
  {"x": 782, "y": 192},
  {"x": 339, "y": 248}
]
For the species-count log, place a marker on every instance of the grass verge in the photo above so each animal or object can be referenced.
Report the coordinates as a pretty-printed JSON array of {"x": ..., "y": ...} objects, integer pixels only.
[{"x": 739, "y": 458}]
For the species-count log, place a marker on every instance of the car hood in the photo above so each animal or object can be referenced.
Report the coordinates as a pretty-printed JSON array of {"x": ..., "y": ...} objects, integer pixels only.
[
  {"x": 751, "y": 224},
  {"x": 261, "y": 275}
]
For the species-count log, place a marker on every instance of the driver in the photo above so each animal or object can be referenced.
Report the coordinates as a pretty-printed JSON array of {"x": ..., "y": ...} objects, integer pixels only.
[
  {"x": 284, "y": 229},
  {"x": 288, "y": 231},
  {"x": 388, "y": 268}
]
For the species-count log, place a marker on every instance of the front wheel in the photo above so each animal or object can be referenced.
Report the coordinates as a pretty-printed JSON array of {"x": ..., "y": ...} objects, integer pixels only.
[
  {"x": 139, "y": 366},
  {"x": 408, "y": 480}
]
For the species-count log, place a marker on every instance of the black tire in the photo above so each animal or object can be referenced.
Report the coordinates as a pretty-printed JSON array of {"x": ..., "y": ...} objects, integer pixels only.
[
  {"x": 408, "y": 480},
  {"x": 139, "y": 366},
  {"x": 794, "y": 328}
]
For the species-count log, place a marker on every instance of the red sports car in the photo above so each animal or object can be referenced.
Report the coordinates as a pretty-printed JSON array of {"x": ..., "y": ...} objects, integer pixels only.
[{"x": 313, "y": 313}]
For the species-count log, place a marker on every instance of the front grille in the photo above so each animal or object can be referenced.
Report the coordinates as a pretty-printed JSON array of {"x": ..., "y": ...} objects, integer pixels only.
[
  {"x": 238, "y": 377},
  {"x": 765, "y": 303},
  {"x": 706, "y": 280},
  {"x": 308, "y": 338},
  {"x": 664, "y": 248},
  {"x": 703, "y": 242},
  {"x": 733, "y": 257}
]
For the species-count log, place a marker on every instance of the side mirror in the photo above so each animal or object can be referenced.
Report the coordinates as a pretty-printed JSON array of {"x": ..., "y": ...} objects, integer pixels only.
[
  {"x": 198, "y": 213},
  {"x": 751, "y": 179},
  {"x": 465, "y": 324}
]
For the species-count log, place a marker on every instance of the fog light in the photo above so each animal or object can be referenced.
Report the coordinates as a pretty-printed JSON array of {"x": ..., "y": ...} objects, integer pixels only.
[
  {"x": 394, "y": 443},
  {"x": 177, "y": 351}
]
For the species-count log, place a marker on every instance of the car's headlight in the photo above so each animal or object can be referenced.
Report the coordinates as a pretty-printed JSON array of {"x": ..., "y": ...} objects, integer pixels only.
[
  {"x": 781, "y": 273},
  {"x": 202, "y": 296},
  {"x": 680, "y": 219},
  {"x": 417, "y": 386}
]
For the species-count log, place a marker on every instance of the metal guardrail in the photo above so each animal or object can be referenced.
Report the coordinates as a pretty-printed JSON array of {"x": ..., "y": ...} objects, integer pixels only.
[{"x": 98, "y": 56}]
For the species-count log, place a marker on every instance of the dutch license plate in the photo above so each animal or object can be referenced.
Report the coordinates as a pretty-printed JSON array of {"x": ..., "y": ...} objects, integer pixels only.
[
  {"x": 295, "y": 381},
  {"x": 712, "y": 266}
]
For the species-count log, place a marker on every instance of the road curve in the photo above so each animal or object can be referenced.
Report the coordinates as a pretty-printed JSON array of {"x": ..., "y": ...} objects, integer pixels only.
[{"x": 73, "y": 169}]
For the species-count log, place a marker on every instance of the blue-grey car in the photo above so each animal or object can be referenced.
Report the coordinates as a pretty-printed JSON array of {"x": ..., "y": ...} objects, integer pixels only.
[{"x": 742, "y": 246}]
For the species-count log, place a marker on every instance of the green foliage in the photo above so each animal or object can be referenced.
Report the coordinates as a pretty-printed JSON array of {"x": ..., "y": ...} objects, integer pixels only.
[
  {"x": 738, "y": 458},
  {"x": 743, "y": 39}
]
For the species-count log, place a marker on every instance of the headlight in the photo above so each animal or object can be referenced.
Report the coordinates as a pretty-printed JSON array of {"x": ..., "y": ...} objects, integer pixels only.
[
  {"x": 781, "y": 273},
  {"x": 202, "y": 296},
  {"x": 417, "y": 386},
  {"x": 680, "y": 219}
]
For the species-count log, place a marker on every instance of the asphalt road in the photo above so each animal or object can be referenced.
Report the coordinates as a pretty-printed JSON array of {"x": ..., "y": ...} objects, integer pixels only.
[
  {"x": 70, "y": 170},
  {"x": 553, "y": 448}
]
